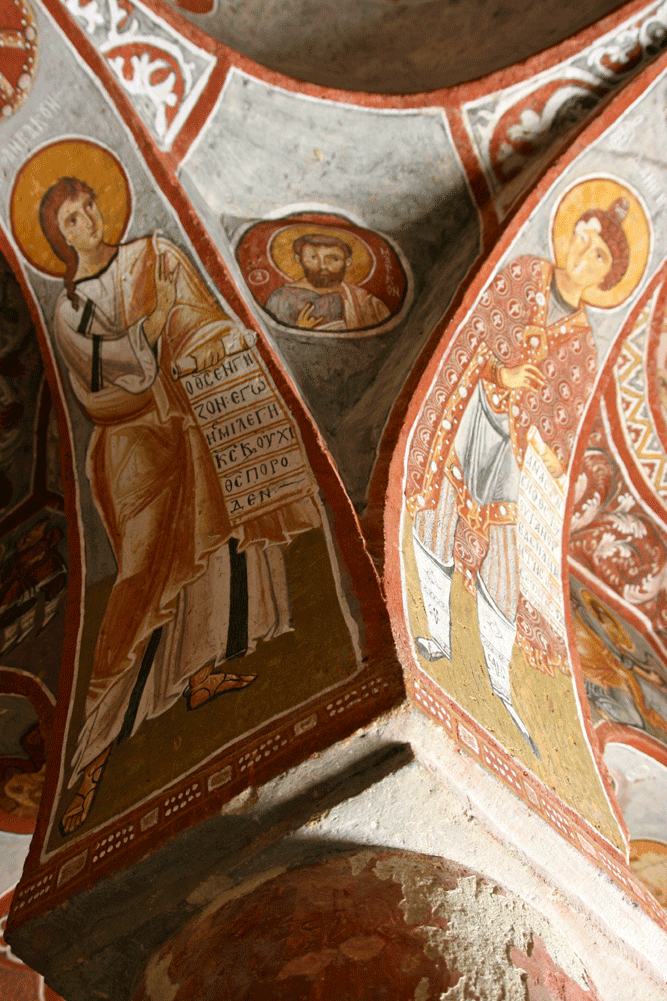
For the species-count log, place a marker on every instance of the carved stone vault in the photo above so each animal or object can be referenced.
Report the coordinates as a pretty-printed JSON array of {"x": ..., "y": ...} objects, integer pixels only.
[{"x": 333, "y": 500}]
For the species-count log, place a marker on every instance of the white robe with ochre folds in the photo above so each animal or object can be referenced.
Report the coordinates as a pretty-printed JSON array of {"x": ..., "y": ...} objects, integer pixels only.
[{"x": 155, "y": 488}]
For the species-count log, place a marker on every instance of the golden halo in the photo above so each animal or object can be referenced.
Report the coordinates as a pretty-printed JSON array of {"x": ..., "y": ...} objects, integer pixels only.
[
  {"x": 601, "y": 193},
  {"x": 77, "y": 158},
  {"x": 620, "y": 634},
  {"x": 281, "y": 254}
]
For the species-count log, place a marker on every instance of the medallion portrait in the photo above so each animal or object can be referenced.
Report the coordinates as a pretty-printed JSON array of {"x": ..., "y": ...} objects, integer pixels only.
[{"x": 321, "y": 274}]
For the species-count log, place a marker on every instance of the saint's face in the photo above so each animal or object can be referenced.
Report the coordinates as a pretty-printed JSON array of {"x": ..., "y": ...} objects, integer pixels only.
[
  {"x": 324, "y": 267},
  {"x": 589, "y": 259},
  {"x": 80, "y": 222}
]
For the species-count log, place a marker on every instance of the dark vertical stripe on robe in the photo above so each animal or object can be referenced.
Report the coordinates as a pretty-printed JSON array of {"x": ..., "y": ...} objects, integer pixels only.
[
  {"x": 139, "y": 685},
  {"x": 237, "y": 633}
]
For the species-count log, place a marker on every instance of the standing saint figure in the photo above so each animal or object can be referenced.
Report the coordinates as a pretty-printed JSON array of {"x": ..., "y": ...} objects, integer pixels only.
[
  {"x": 532, "y": 371},
  {"x": 190, "y": 591}
]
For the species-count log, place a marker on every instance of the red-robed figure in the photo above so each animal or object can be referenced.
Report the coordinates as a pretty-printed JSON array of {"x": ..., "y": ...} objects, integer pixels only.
[{"x": 531, "y": 369}]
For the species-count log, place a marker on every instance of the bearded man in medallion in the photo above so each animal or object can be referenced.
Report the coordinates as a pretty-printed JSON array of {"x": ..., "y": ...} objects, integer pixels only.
[{"x": 322, "y": 300}]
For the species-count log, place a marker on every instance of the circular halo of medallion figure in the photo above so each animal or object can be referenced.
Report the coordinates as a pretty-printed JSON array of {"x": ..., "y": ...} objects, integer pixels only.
[{"x": 320, "y": 275}]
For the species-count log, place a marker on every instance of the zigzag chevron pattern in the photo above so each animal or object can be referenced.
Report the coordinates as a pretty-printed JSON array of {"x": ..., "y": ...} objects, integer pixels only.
[{"x": 632, "y": 388}]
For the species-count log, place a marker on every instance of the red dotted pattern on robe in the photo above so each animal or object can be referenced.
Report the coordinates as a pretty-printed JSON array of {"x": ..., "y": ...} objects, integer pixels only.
[{"x": 506, "y": 328}]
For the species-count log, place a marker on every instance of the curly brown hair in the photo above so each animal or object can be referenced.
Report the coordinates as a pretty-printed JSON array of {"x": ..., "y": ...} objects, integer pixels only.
[
  {"x": 320, "y": 240},
  {"x": 614, "y": 236}
]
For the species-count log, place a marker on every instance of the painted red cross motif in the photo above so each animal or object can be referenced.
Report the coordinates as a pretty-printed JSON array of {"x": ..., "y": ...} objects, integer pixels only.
[{"x": 19, "y": 49}]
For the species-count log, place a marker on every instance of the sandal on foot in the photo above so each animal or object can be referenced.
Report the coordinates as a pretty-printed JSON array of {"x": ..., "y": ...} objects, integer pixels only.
[
  {"x": 81, "y": 804},
  {"x": 214, "y": 686}
]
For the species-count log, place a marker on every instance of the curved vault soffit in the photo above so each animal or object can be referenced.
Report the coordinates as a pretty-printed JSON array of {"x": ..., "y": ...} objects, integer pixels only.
[
  {"x": 390, "y": 46},
  {"x": 389, "y": 247}
]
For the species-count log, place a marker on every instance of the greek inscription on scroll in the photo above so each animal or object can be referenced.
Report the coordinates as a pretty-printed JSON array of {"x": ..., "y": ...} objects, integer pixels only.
[
  {"x": 541, "y": 511},
  {"x": 249, "y": 432}
]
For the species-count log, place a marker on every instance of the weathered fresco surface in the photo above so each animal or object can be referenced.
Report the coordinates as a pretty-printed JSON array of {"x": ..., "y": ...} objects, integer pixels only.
[
  {"x": 517, "y": 131},
  {"x": 186, "y": 430},
  {"x": 488, "y": 457},
  {"x": 162, "y": 73},
  {"x": 198, "y": 519},
  {"x": 200, "y": 246},
  {"x": 409, "y": 925},
  {"x": 33, "y": 561},
  {"x": 33, "y": 578},
  {"x": 617, "y": 543},
  {"x": 268, "y": 154}
]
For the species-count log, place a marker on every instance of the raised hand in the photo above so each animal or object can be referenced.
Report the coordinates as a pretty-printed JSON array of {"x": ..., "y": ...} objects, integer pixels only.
[
  {"x": 165, "y": 284},
  {"x": 166, "y": 288},
  {"x": 521, "y": 377},
  {"x": 306, "y": 319}
]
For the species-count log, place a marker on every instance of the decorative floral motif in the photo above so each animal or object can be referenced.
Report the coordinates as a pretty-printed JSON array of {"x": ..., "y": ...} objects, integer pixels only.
[
  {"x": 161, "y": 72},
  {"x": 19, "y": 49},
  {"x": 614, "y": 537},
  {"x": 517, "y": 131}
]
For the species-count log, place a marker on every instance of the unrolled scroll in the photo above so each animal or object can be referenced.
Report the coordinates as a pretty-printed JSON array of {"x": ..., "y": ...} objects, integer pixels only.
[
  {"x": 250, "y": 434},
  {"x": 539, "y": 527}
]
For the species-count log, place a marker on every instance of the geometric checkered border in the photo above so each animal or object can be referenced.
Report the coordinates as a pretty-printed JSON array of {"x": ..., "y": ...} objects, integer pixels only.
[
  {"x": 199, "y": 795},
  {"x": 474, "y": 740}
]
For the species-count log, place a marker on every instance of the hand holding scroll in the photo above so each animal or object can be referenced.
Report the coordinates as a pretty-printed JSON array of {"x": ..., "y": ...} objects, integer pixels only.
[
  {"x": 212, "y": 352},
  {"x": 552, "y": 462}
]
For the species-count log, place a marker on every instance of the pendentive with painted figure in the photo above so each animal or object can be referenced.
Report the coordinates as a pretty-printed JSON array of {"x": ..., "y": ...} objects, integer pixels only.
[
  {"x": 512, "y": 418},
  {"x": 198, "y": 529}
]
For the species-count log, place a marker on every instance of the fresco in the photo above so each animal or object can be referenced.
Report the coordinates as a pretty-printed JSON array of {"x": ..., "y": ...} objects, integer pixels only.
[
  {"x": 200, "y": 245},
  {"x": 640, "y": 779},
  {"x": 20, "y": 54},
  {"x": 21, "y": 377},
  {"x": 33, "y": 560},
  {"x": 625, "y": 681},
  {"x": 381, "y": 924},
  {"x": 162, "y": 73},
  {"x": 269, "y": 158},
  {"x": 617, "y": 549},
  {"x": 186, "y": 430},
  {"x": 321, "y": 273},
  {"x": 515, "y": 407},
  {"x": 489, "y": 505},
  {"x": 22, "y": 759},
  {"x": 517, "y": 131},
  {"x": 487, "y": 468}
]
